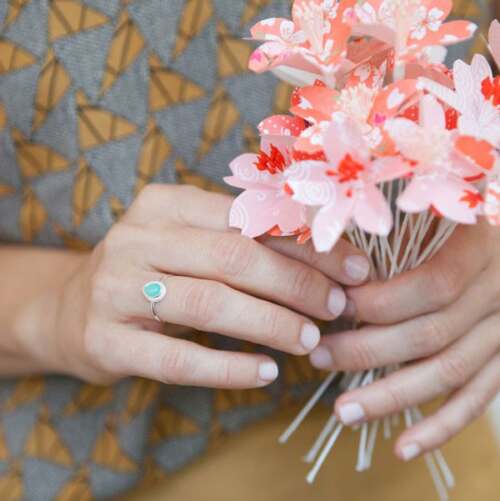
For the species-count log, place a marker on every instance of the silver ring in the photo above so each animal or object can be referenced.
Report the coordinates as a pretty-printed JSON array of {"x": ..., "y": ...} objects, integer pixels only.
[{"x": 155, "y": 293}]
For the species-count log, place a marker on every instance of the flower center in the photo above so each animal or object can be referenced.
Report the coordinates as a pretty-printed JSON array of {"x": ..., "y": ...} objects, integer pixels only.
[
  {"x": 491, "y": 90},
  {"x": 348, "y": 170},
  {"x": 273, "y": 162}
]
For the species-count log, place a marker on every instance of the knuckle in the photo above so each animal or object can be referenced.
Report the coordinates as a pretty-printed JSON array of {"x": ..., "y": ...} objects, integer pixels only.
[
  {"x": 362, "y": 355},
  {"x": 175, "y": 365},
  {"x": 233, "y": 255},
  {"x": 453, "y": 370},
  {"x": 475, "y": 407},
  {"x": 309, "y": 255},
  {"x": 274, "y": 326},
  {"x": 446, "y": 284},
  {"x": 202, "y": 303},
  {"x": 397, "y": 397},
  {"x": 225, "y": 376},
  {"x": 433, "y": 336},
  {"x": 302, "y": 284}
]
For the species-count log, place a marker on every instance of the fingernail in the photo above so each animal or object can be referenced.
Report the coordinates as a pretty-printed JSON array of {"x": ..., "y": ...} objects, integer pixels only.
[
  {"x": 351, "y": 414},
  {"x": 410, "y": 451},
  {"x": 357, "y": 268},
  {"x": 321, "y": 358},
  {"x": 350, "y": 309},
  {"x": 337, "y": 301},
  {"x": 268, "y": 371},
  {"x": 310, "y": 337}
]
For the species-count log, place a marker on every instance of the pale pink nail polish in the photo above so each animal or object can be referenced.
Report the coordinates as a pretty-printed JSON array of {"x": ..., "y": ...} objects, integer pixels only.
[
  {"x": 357, "y": 268},
  {"x": 321, "y": 358},
  {"x": 410, "y": 451},
  {"x": 310, "y": 337},
  {"x": 351, "y": 413},
  {"x": 337, "y": 301},
  {"x": 268, "y": 371}
]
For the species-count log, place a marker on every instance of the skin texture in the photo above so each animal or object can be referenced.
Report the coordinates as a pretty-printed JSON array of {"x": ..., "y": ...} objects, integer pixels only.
[
  {"x": 85, "y": 315},
  {"x": 442, "y": 321}
]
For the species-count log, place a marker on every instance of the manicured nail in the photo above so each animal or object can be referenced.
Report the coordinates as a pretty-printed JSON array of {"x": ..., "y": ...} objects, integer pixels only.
[
  {"x": 321, "y": 358},
  {"x": 268, "y": 371},
  {"x": 357, "y": 268},
  {"x": 350, "y": 309},
  {"x": 310, "y": 336},
  {"x": 410, "y": 451},
  {"x": 351, "y": 414},
  {"x": 337, "y": 301}
]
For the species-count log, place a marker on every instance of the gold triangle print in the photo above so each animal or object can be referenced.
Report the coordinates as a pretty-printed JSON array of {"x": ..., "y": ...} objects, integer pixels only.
[
  {"x": 71, "y": 241},
  {"x": 36, "y": 159},
  {"x": 116, "y": 207},
  {"x": 26, "y": 391},
  {"x": 252, "y": 9},
  {"x": 109, "y": 453},
  {"x": 77, "y": 488},
  {"x": 88, "y": 398},
  {"x": 153, "y": 474},
  {"x": 222, "y": 116},
  {"x": 156, "y": 149},
  {"x": 4, "y": 452},
  {"x": 232, "y": 53},
  {"x": 3, "y": 117},
  {"x": 187, "y": 176},
  {"x": 6, "y": 190},
  {"x": 251, "y": 139},
  {"x": 226, "y": 400},
  {"x": 169, "y": 88},
  {"x": 68, "y": 17},
  {"x": 32, "y": 216},
  {"x": 141, "y": 395},
  {"x": 52, "y": 86},
  {"x": 87, "y": 191},
  {"x": 45, "y": 443},
  {"x": 97, "y": 126},
  {"x": 169, "y": 423},
  {"x": 282, "y": 98},
  {"x": 194, "y": 18},
  {"x": 126, "y": 45},
  {"x": 13, "y": 57},
  {"x": 15, "y": 8},
  {"x": 11, "y": 485}
]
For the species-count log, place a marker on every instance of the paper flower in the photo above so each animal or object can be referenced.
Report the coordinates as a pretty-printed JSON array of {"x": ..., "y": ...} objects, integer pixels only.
[
  {"x": 265, "y": 206},
  {"x": 494, "y": 41},
  {"x": 344, "y": 188},
  {"x": 476, "y": 96},
  {"x": 369, "y": 107},
  {"x": 410, "y": 26},
  {"x": 440, "y": 167},
  {"x": 312, "y": 45}
]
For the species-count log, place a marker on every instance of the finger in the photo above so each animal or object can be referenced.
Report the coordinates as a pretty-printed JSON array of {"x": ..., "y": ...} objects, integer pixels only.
[
  {"x": 428, "y": 288},
  {"x": 345, "y": 263},
  {"x": 423, "y": 381},
  {"x": 248, "y": 266},
  {"x": 214, "y": 307},
  {"x": 176, "y": 361},
  {"x": 159, "y": 204},
  {"x": 466, "y": 405},
  {"x": 371, "y": 347}
]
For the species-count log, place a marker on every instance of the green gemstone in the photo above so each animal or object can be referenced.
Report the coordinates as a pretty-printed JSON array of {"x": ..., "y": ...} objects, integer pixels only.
[{"x": 153, "y": 290}]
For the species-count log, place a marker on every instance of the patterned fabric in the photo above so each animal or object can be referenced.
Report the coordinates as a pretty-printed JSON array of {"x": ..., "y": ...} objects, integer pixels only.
[{"x": 97, "y": 99}]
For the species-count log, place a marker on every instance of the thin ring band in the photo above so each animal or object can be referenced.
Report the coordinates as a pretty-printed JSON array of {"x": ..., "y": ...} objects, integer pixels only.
[{"x": 155, "y": 292}]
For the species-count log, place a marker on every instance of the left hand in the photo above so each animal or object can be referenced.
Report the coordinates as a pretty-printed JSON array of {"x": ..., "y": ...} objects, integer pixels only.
[{"x": 443, "y": 321}]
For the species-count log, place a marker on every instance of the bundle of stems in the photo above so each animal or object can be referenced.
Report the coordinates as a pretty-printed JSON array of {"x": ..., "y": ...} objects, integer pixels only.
[{"x": 415, "y": 239}]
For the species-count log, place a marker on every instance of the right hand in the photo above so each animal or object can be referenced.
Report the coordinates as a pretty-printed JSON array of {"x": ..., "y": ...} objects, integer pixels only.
[{"x": 217, "y": 281}]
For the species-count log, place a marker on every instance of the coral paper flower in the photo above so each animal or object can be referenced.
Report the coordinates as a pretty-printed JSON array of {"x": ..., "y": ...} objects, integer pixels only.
[
  {"x": 265, "y": 206},
  {"x": 344, "y": 188},
  {"x": 476, "y": 96},
  {"x": 312, "y": 45},
  {"x": 410, "y": 26},
  {"x": 440, "y": 168}
]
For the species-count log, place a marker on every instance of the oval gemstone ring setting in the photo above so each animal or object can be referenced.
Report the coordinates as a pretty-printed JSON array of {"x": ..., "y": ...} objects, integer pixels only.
[{"x": 154, "y": 292}]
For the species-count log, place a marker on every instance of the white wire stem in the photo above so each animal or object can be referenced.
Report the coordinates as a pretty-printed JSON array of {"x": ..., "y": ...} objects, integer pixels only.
[
  {"x": 307, "y": 409},
  {"x": 319, "y": 442},
  {"x": 372, "y": 441}
]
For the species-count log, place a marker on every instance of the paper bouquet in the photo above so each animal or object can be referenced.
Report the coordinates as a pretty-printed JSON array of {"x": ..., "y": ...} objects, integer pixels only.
[{"x": 384, "y": 145}]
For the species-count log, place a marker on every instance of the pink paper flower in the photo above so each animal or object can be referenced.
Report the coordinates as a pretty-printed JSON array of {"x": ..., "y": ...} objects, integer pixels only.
[
  {"x": 440, "y": 167},
  {"x": 312, "y": 45},
  {"x": 476, "y": 96},
  {"x": 368, "y": 106},
  {"x": 344, "y": 188},
  {"x": 265, "y": 206},
  {"x": 494, "y": 41},
  {"x": 410, "y": 26}
]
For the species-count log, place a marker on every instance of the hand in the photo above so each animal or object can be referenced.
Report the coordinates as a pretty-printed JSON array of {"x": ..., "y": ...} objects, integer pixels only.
[
  {"x": 444, "y": 320},
  {"x": 216, "y": 280}
]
